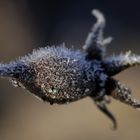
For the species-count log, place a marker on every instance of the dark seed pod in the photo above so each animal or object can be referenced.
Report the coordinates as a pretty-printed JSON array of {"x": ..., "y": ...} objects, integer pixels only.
[{"x": 61, "y": 75}]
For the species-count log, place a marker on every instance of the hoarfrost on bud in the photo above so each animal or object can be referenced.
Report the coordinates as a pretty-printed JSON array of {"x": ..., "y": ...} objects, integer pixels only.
[{"x": 60, "y": 75}]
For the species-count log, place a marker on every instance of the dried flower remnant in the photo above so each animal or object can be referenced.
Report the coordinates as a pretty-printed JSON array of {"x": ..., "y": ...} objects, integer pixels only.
[{"x": 61, "y": 75}]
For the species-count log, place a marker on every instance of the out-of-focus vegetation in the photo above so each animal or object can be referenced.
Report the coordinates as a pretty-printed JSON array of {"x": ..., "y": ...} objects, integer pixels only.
[{"x": 26, "y": 25}]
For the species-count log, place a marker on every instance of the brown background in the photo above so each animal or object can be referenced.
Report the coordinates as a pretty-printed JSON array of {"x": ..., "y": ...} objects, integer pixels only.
[{"x": 26, "y": 25}]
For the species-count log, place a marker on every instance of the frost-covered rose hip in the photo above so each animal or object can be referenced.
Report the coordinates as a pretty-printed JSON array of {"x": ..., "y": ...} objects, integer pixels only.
[{"x": 61, "y": 75}]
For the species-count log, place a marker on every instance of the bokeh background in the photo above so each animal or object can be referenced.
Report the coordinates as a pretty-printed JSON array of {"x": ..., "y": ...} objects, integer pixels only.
[{"x": 30, "y": 24}]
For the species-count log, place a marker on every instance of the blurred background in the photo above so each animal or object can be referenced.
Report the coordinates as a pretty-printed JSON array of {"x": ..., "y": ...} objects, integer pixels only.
[{"x": 30, "y": 24}]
